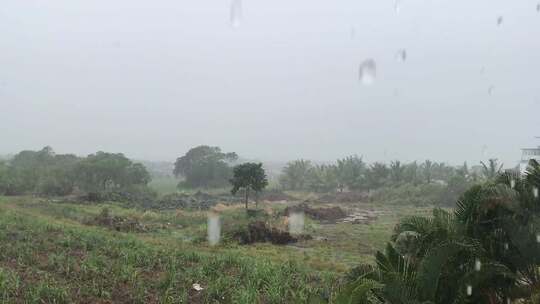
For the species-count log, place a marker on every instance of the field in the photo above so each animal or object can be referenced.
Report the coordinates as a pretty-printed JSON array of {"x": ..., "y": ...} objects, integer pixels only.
[{"x": 52, "y": 252}]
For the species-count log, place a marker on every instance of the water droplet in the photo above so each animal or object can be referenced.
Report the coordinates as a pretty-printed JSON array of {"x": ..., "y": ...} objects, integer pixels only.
[
  {"x": 535, "y": 192},
  {"x": 214, "y": 229},
  {"x": 490, "y": 90},
  {"x": 236, "y": 13},
  {"x": 500, "y": 20},
  {"x": 512, "y": 184},
  {"x": 538, "y": 7},
  {"x": 508, "y": 301},
  {"x": 401, "y": 55},
  {"x": 482, "y": 70},
  {"x": 538, "y": 237},
  {"x": 397, "y": 6},
  {"x": 296, "y": 223},
  {"x": 353, "y": 32},
  {"x": 469, "y": 290},
  {"x": 477, "y": 265},
  {"x": 368, "y": 72},
  {"x": 506, "y": 246}
]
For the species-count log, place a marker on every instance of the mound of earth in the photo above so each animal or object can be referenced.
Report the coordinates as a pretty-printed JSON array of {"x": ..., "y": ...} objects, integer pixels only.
[
  {"x": 118, "y": 223},
  {"x": 322, "y": 214},
  {"x": 258, "y": 231},
  {"x": 343, "y": 197}
]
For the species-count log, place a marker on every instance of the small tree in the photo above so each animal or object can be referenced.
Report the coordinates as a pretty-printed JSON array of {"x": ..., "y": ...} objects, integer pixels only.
[{"x": 248, "y": 176}]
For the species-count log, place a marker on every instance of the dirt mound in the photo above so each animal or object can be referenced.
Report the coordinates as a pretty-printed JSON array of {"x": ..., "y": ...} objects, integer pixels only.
[
  {"x": 118, "y": 223},
  {"x": 258, "y": 231},
  {"x": 322, "y": 214},
  {"x": 343, "y": 197}
]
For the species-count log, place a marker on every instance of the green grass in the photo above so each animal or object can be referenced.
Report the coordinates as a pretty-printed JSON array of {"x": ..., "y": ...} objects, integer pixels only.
[
  {"x": 48, "y": 254},
  {"x": 42, "y": 259}
]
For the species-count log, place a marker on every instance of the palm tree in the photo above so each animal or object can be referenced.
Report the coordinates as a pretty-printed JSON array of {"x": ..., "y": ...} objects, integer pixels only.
[
  {"x": 486, "y": 251},
  {"x": 492, "y": 169},
  {"x": 427, "y": 167},
  {"x": 397, "y": 171}
]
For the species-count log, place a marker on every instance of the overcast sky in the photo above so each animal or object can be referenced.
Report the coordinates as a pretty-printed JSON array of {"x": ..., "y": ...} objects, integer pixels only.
[{"x": 279, "y": 81}]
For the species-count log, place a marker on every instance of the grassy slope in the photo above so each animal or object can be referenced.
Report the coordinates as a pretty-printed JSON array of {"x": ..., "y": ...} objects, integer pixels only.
[
  {"x": 47, "y": 254},
  {"x": 45, "y": 257}
]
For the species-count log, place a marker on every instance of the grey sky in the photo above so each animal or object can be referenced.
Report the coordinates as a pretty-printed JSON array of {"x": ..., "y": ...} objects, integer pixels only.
[{"x": 154, "y": 78}]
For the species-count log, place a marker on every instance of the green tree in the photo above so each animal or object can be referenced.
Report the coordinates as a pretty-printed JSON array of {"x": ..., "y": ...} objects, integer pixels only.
[
  {"x": 101, "y": 172},
  {"x": 492, "y": 169},
  {"x": 397, "y": 171},
  {"x": 248, "y": 176},
  {"x": 377, "y": 175},
  {"x": 4, "y": 178},
  {"x": 205, "y": 166},
  {"x": 427, "y": 170},
  {"x": 322, "y": 178},
  {"x": 295, "y": 175},
  {"x": 350, "y": 172},
  {"x": 485, "y": 252}
]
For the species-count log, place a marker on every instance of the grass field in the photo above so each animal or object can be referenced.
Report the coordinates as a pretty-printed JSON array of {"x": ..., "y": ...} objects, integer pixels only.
[{"x": 49, "y": 255}]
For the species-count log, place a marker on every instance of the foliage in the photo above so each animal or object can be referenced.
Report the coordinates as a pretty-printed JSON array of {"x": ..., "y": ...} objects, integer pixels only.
[
  {"x": 295, "y": 175},
  {"x": 46, "y": 260},
  {"x": 204, "y": 166},
  {"x": 47, "y": 173},
  {"x": 492, "y": 169},
  {"x": 350, "y": 172},
  {"x": 487, "y": 251},
  {"x": 248, "y": 176},
  {"x": 102, "y": 172}
]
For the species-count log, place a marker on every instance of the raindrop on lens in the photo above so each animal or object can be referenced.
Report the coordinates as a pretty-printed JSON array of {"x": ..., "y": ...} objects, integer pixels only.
[
  {"x": 401, "y": 55},
  {"x": 368, "y": 72},
  {"x": 236, "y": 13},
  {"x": 500, "y": 20},
  {"x": 397, "y": 7},
  {"x": 535, "y": 192},
  {"x": 296, "y": 223},
  {"x": 214, "y": 229},
  {"x": 538, "y": 7},
  {"x": 512, "y": 184},
  {"x": 490, "y": 90},
  {"x": 505, "y": 246},
  {"x": 538, "y": 237},
  {"x": 469, "y": 290},
  {"x": 477, "y": 265}
]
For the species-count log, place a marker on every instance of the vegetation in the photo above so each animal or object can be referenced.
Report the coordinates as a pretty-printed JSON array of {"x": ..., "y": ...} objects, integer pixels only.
[
  {"x": 248, "y": 176},
  {"x": 47, "y": 256},
  {"x": 431, "y": 182},
  {"x": 486, "y": 251},
  {"x": 46, "y": 173},
  {"x": 149, "y": 250},
  {"x": 204, "y": 166}
]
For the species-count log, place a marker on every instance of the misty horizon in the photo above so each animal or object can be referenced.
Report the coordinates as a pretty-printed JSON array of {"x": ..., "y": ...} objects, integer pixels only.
[{"x": 272, "y": 81}]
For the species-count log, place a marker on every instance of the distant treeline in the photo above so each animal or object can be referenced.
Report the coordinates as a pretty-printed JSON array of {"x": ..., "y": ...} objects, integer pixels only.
[
  {"x": 437, "y": 180},
  {"x": 46, "y": 173},
  {"x": 354, "y": 174}
]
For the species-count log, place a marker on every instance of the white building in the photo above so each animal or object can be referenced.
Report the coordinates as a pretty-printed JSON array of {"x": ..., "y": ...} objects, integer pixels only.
[{"x": 526, "y": 155}]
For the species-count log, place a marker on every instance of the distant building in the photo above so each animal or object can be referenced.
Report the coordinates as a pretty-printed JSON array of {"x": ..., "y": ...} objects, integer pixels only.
[{"x": 526, "y": 155}]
